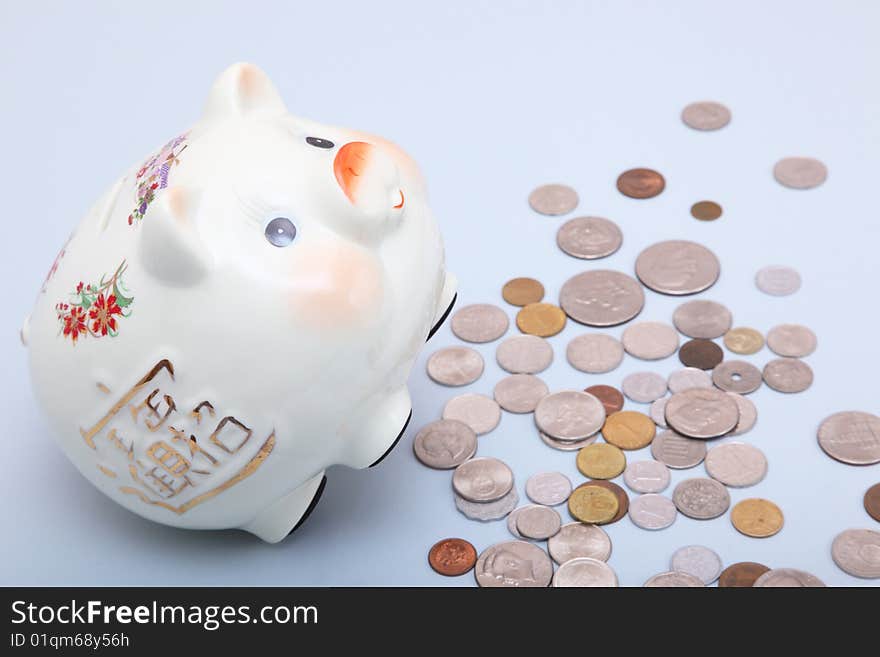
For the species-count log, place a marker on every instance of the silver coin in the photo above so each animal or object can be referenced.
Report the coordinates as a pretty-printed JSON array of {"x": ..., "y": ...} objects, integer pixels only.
[
  {"x": 455, "y": 366},
  {"x": 736, "y": 464},
  {"x": 650, "y": 340},
  {"x": 538, "y": 522},
  {"x": 702, "y": 319},
  {"x": 646, "y": 476},
  {"x": 702, "y": 413},
  {"x": 748, "y": 414},
  {"x": 677, "y": 451},
  {"x": 479, "y": 412},
  {"x": 482, "y": 479},
  {"x": 674, "y": 580},
  {"x": 601, "y": 297},
  {"x": 577, "y": 539},
  {"x": 589, "y": 237},
  {"x": 857, "y": 552},
  {"x": 800, "y": 172},
  {"x": 514, "y": 564},
  {"x": 584, "y": 572},
  {"x": 594, "y": 353},
  {"x": 699, "y": 561},
  {"x": 687, "y": 378},
  {"x": 524, "y": 354},
  {"x": 486, "y": 511},
  {"x": 553, "y": 199},
  {"x": 511, "y": 521},
  {"x": 652, "y": 511},
  {"x": 445, "y": 444},
  {"x": 788, "y": 375},
  {"x": 548, "y": 488},
  {"x": 567, "y": 445},
  {"x": 480, "y": 322},
  {"x": 737, "y": 376},
  {"x": 787, "y": 577},
  {"x": 778, "y": 281},
  {"x": 520, "y": 393},
  {"x": 705, "y": 115},
  {"x": 791, "y": 340},
  {"x": 701, "y": 498},
  {"x": 570, "y": 415},
  {"x": 677, "y": 267},
  {"x": 643, "y": 387},
  {"x": 657, "y": 411},
  {"x": 851, "y": 437}
]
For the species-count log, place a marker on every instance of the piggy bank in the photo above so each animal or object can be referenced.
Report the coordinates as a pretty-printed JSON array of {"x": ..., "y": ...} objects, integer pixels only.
[{"x": 238, "y": 312}]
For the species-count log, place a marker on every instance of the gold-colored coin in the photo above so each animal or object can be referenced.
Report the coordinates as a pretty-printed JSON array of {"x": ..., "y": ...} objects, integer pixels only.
[
  {"x": 601, "y": 461},
  {"x": 757, "y": 517},
  {"x": 522, "y": 291},
  {"x": 593, "y": 504},
  {"x": 541, "y": 319},
  {"x": 743, "y": 340},
  {"x": 629, "y": 429}
]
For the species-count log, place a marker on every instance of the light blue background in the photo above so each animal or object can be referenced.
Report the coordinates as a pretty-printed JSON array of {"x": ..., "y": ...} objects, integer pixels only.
[{"x": 492, "y": 98}]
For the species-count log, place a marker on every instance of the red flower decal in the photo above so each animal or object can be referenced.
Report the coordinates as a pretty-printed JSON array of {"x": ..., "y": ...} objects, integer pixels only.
[
  {"x": 74, "y": 323},
  {"x": 101, "y": 314}
]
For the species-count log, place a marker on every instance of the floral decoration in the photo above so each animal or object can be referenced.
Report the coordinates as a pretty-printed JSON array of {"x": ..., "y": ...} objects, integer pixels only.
[
  {"x": 95, "y": 310},
  {"x": 153, "y": 175}
]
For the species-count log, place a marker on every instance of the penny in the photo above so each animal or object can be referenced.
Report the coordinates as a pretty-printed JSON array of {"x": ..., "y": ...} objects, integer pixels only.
[
  {"x": 743, "y": 340},
  {"x": 482, "y": 479},
  {"x": 699, "y": 353},
  {"x": 589, "y": 237},
  {"x": 445, "y": 444},
  {"x": 702, "y": 413},
  {"x": 548, "y": 488},
  {"x": 480, "y": 322},
  {"x": 851, "y": 437},
  {"x": 748, "y": 414},
  {"x": 705, "y": 115},
  {"x": 611, "y": 397},
  {"x": 701, "y": 498},
  {"x": 787, "y": 577},
  {"x": 791, "y": 340},
  {"x": 800, "y": 172},
  {"x": 706, "y": 210},
  {"x": 658, "y": 412},
  {"x": 538, "y": 522},
  {"x": 452, "y": 557},
  {"x": 757, "y": 517},
  {"x": 640, "y": 183},
  {"x": 650, "y": 340},
  {"x": 687, "y": 378},
  {"x": 522, "y": 291},
  {"x": 742, "y": 574},
  {"x": 619, "y": 493},
  {"x": 520, "y": 393},
  {"x": 584, "y": 572},
  {"x": 644, "y": 387},
  {"x": 511, "y": 521},
  {"x": 479, "y": 412},
  {"x": 569, "y": 415},
  {"x": 857, "y": 552},
  {"x": 553, "y": 199},
  {"x": 601, "y": 461},
  {"x": 593, "y": 504},
  {"x": 677, "y": 267},
  {"x": 629, "y": 430},
  {"x": 514, "y": 564},
  {"x": 677, "y": 451},
  {"x": 455, "y": 366},
  {"x": 736, "y": 464},
  {"x": 567, "y": 445},
  {"x": 486, "y": 511},
  {"x": 652, "y": 512},
  {"x": 702, "y": 318},
  {"x": 601, "y": 297},
  {"x": 778, "y": 280},
  {"x": 788, "y": 375},
  {"x": 524, "y": 354},
  {"x": 674, "y": 580},
  {"x": 737, "y": 376},
  {"x": 576, "y": 539},
  {"x": 541, "y": 319},
  {"x": 594, "y": 353},
  {"x": 697, "y": 560},
  {"x": 872, "y": 502},
  {"x": 646, "y": 476}
]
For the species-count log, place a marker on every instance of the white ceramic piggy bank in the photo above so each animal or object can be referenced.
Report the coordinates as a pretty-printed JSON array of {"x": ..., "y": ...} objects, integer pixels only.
[{"x": 239, "y": 312}]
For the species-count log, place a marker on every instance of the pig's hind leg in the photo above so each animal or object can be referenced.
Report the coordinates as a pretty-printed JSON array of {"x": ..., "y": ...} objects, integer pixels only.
[
  {"x": 447, "y": 301},
  {"x": 287, "y": 514}
]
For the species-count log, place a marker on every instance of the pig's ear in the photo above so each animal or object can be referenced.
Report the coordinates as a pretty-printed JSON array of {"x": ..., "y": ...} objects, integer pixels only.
[
  {"x": 170, "y": 247},
  {"x": 243, "y": 90}
]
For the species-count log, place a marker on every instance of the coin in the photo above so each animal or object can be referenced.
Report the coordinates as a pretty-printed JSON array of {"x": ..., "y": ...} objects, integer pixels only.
[
  {"x": 872, "y": 502},
  {"x": 584, "y": 572},
  {"x": 646, "y": 476},
  {"x": 486, "y": 511},
  {"x": 548, "y": 488},
  {"x": 687, "y": 378},
  {"x": 756, "y": 517},
  {"x": 514, "y": 563},
  {"x": 706, "y": 210},
  {"x": 569, "y": 415},
  {"x": 553, "y": 199},
  {"x": 702, "y": 318},
  {"x": 777, "y": 280},
  {"x": 652, "y": 512},
  {"x": 629, "y": 430},
  {"x": 736, "y": 464},
  {"x": 788, "y": 375},
  {"x": 594, "y": 353},
  {"x": 601, "y": 461},
  {"x": 601, "y": 297},
  {"x": 701, "y": 498},
  {"x": 541, "y": 319},
  {"x": 787, "y": 577},
  {"x": 520, "y": 393},
  {"x": 658, "y": 412},
  {"x": 677, "y": 267},
  {"x": 522, "y": 291},
  {"x": 737, "y": 376},
  {"x": 576, "y": 539},
  {"x": 748, "y": 414},
  {"x": 742, "y": 574},
  {"x": 593, "y": 504},
  {"x": 857, "y": 552},
  {"x": 650, "y": 340},
  {"x": 455, "y": 366},
  {"x": 851, "y": 437},
  {"x": 619, "y": 493},
  {"x": 538, "y": 522},
  {"x": 702, "y": 413},
  {"x": 480, "y": 322},
  {"x": 697, "y": 560},
  {"x": 705, "y": 115},
  {"x": 791, "y": 340},
  {"x": 524, "y": 354},
  {"x": 567, "y": 445},
  {"x": 589, "y": 237},
  {"x": 677, "y": 451},
  {"x": 644, "y": 387},
  {"x": 482, "y": 479},
  {"x": 511, "y": 521},
  {"x": 611, "y": 397},
  {"x": 743, "y": 340},
  {"x": 800, "y": 172},
  {"x": 445, "y": 444},
  {"x": 479, "y": 412},
  {"x": 674, "y": 580},
  {"x": 699, "y": 353},
  {"x": 640, "y": 183},
  {"x": 452, "y": 556}
]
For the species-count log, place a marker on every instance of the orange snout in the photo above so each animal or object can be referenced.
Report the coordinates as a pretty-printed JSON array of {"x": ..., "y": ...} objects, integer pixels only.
[{"x": 367, "y": 176}]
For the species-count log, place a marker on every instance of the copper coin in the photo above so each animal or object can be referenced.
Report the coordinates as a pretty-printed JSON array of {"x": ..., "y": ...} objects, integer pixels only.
[
  {"x": 872, "y": 502},
  {"x": 452, "y": 557},
  {"x": 619, "y": 493},
  {"x": 629, "y": 430},
  {"x": 611, "y": 397},
  {"x": 757, "y": 517},
  {"x": 706, "y": 210},
  {"x": 640, "y": 183},
  {"x": 541, "y": 319},
  {"x": 742, "y": 574},
  {"x": 703, "y": 354},
  {"x": 522, "y": 291}
]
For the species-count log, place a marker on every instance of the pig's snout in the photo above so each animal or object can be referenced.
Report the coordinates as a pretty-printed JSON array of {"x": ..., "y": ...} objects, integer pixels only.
[{"x": 369, "y": 178}]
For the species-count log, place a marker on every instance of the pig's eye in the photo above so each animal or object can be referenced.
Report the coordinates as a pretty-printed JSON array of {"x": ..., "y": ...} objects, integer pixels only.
[
  {"x": 280, "y": 231},
  {"x": 319, "y": 143}
]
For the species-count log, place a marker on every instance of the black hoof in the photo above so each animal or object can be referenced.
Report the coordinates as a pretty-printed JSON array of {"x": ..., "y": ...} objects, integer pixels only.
[
  {"x": 312, "y": 505},
  {"x": 396, "y": 440},
  {"x": 442, "y": 319}
]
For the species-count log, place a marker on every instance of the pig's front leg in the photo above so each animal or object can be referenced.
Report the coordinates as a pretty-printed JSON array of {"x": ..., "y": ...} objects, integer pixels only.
[{"x": 378, "y": 429}]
